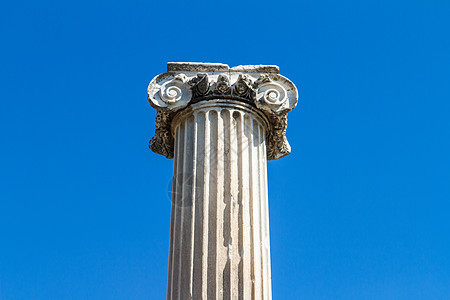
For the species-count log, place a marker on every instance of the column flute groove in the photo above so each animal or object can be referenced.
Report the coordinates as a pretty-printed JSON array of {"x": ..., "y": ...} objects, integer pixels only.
[
  {"x": 212, "y": 229},
  {"x": 206, "y": 208},
  {"x": 238, "y": 219},
  {"x": 194, "y": 203},
  {"x": 199, "y": 237}
]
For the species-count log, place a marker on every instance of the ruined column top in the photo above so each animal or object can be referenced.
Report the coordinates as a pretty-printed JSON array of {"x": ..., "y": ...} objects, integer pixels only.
[
  {"x": 258, "y": 86},
  {"x": 218, "y": 67}
]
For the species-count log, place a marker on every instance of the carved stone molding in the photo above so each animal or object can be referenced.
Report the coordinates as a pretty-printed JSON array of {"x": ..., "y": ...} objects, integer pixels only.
[
  {"x": 162, "y": 141},
  {"x": 187, "y": 83}
]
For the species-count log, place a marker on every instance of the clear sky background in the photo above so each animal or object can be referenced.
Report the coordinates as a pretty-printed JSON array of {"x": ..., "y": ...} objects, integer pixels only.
[{"x": 359, "y": 210}]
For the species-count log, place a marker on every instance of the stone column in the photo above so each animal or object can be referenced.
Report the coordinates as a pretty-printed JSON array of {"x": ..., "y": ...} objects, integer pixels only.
[{"x": 221, "y": 125}]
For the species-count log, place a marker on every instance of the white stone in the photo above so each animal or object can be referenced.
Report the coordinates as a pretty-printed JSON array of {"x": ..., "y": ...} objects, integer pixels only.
[{"x": 221, "y": 127}]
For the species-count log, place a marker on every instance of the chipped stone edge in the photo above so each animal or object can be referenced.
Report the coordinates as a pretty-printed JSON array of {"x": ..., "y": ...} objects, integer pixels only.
[
  {"x": 218, "y": 67},
  {"x": 197, "y": 67}
]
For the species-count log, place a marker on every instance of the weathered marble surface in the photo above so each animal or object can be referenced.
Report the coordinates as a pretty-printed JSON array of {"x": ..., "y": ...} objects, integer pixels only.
[
  {"x": 186, "y": 83},
  {"x": 221, "y": 125}
]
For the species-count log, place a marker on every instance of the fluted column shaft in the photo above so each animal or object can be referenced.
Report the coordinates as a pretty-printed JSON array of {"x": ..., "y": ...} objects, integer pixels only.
[
  {"x": 219, "y": 236},
  {"x": 221, "y": 125}
]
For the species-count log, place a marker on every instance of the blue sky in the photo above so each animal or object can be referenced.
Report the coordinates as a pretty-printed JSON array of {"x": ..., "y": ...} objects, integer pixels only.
[{"x": 359, "y": 210}]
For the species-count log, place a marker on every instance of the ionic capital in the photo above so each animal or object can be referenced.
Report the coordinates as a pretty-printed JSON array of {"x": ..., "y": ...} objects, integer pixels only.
[{"x": 187, "y": 83}]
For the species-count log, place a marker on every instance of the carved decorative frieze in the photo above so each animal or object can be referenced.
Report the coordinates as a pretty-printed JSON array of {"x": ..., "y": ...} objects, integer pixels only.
[
  {"x": 162, "y": 141},
  {"x": 259, "y": 86},
  {"x": 277, "y": 144},
  {"x": 200, "y": 86},
  {"x": 205, "y": 89},
  {"x": 222, "y": 87}
]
